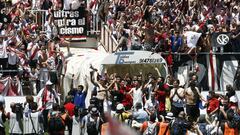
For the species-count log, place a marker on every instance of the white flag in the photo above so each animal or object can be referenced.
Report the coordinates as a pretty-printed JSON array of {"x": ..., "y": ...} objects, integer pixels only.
[{"x": 192, "y": 38}]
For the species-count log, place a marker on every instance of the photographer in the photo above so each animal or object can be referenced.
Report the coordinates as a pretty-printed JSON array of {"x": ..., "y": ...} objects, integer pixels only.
[
  {"x": 33, "y": 120},
  {"x": 15, "y": 119}
]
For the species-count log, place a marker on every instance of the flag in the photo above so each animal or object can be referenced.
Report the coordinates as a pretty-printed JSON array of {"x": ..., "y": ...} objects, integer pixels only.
[
  {"x": 229, "y": 70},
  {"x": 214, "y": 71},
  {"x": 10, "y": 87},
  {"x": 220, "y": 39},
  {"x": 185, "y": 65},
  {"x": 192, "y": 38}
]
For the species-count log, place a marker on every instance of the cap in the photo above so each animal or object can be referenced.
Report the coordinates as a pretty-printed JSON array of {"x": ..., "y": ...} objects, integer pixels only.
[
  {"x": 169, "y": 116},
  {"x": 120, "y": 107},
  {"x": 49, "y": 82},
  {"x": 94, "y": 110},
  {"x": 235, "y": 7}
]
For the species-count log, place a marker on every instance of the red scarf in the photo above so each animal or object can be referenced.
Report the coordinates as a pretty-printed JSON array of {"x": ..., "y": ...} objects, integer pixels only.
[
  {"x": 34, "y": 53},
  {"x": 44, "y": 99}
]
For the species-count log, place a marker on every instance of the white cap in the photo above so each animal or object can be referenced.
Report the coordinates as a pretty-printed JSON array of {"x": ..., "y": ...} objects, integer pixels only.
[
  {"x": 235, "y": 7},
  {"x": 49, "y": 82},
  {"x": 120, "y": 107},
  {"x": 169, "y": 115},
  {"x": 210, "y": 26}
]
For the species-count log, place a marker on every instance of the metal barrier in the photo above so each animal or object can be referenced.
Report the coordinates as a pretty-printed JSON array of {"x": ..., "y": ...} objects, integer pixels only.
[
  {"x": 215, "y": 70},
  {"x": 94, "y": 24},
  {"x": 40, "y": 17},
  {"x": 107, "y": 40}
]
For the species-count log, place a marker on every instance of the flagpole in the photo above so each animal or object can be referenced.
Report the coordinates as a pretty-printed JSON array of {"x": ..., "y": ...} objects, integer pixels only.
[
  {"x": 221, "y": 77},
  {"x": 214, "y": 62}
]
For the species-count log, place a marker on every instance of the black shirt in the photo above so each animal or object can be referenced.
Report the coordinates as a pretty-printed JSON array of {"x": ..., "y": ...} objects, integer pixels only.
[
  {"x": 2, "y": 5},
  {"x": 46, "y": 4}
]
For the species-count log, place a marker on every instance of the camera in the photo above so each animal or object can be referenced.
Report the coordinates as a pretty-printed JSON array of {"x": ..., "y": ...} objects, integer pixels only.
[
  {"x": 19, "y": 110},
  {"x": 19, "y": 107}
]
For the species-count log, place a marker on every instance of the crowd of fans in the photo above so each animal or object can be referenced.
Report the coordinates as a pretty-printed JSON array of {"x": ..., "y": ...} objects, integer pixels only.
[
  {"x": 161, "y": 25},
  {"x": 30, "y": 49},
  {"x": 149, "y": 25},
  {"x": 149, "y": 105}
]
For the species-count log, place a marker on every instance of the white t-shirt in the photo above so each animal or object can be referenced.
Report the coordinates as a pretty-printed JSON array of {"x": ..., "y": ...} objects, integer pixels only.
[
  {"x": 12, "y": 58},
  {"x": 150, "y": 105},
  {"x": 66, "y": 4},
  {"x": 137, "y": 96},
  {"x": 34, "y": 4},
  {"x": 76, "y": 126},
  {"x": 75, "y": 4},
  {"x": 3, "y": 50},
  {"x": 48, "y": 29},
  {"x": 50, "y": 98},
  {"x": 105, "y": 105},
  {"x": 221, "y": 19}
]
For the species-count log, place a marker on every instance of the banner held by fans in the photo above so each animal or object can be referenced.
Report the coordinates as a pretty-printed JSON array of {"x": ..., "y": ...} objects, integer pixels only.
[
  {"x": 70, "y": 23},
  {"x": 192, "y": 38},
  {"x": 10, "y": 86},
  {"x": 220, "y": 39}
]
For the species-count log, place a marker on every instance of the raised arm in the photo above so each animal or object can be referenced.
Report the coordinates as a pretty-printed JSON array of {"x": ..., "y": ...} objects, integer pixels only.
[
  {"x": 92, "y": 77},
  {"x": 142, "y": 76},
  {"x": 130, "y": 92},
  {"x": 113, "y": 82},
  {"x": 145, "y": 86},
  {"x": 200, "y": 95},
  {"x": 85, "y": 85},
  {"x": 171, "y": 94},
  {"x": 224, "y": 113}
]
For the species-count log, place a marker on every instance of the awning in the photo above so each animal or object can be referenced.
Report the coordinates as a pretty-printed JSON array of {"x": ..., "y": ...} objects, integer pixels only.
[
  {"x": 134, "y": 57},
  {"x": 134, "y": 62}
]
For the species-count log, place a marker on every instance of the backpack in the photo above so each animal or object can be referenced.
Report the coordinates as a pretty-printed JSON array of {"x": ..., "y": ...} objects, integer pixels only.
[
  {"x": 176, "y": 128},
  {"x": 56, "y": 123},
  {"x": 151, "y": 129},
  {"x": 91, "y": 127}
]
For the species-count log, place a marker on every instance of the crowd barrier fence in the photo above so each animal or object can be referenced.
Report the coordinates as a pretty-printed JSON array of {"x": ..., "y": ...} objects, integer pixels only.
[
  {"x": 40, "y": 17},
  {"x": 107, "y": 40},
  {"x": 94, "y": 25}
]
